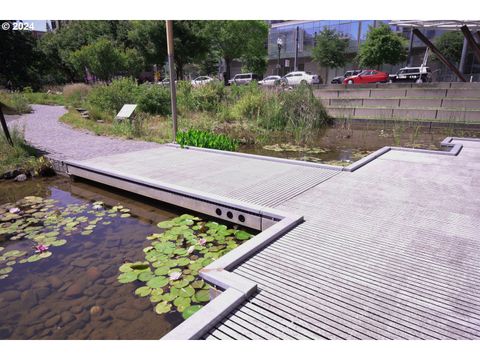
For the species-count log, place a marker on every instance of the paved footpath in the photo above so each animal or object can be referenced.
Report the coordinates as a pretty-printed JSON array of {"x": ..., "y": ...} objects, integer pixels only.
[{"x": 44, "y": 131}]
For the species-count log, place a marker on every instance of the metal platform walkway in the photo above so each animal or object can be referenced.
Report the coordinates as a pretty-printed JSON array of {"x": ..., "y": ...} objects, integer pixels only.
[{"x": 388, "y": 251}]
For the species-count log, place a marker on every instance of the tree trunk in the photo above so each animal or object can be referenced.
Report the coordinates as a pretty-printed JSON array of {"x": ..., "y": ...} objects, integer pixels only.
[{"x": 227, "y": 70}]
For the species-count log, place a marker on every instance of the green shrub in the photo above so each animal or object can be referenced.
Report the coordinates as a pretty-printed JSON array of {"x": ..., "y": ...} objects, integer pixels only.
[
  {"x": 206, "y": 139},
  {"x": 111, "y": 98},
  {"x": 207, "y": 97},
  {"x": 154, "y": 99},
  {"x": 76, "y": 94}
]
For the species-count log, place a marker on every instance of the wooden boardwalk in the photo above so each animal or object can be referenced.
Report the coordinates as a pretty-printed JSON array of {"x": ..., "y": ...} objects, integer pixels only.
[{"x": 389, "y": 251}]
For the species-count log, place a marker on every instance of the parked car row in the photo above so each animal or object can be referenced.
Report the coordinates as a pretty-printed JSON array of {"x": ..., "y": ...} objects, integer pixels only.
[
  {"x": 417, "y": 74},
  {"x": 407, "y": 74}
]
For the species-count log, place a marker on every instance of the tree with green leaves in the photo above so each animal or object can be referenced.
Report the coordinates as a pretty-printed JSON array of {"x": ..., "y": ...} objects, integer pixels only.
[
  {"x": 330, "y": 50},
  {"x": 450, "y": 44},
  {"x": 237, "y": 39},
  {"x": 382, "y": 46},
  {"x": 103, "y": 59}
]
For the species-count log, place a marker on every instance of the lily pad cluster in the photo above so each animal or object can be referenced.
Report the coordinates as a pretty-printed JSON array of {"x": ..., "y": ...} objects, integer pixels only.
[
  {"x": 294, "y": 148},
  {"x": 169, "y": 275},
  {"x": 44, "y": 225}
]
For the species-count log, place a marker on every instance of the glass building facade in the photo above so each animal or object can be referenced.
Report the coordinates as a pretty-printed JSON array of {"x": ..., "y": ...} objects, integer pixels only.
[{"x": 354, "y": 30}]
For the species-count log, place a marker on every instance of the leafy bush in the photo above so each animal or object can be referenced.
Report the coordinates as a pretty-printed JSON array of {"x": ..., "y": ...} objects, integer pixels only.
[
  {"x": 207, "y": 97},
  {"x": 154, "y": 99},
  {"x": 75, "y": 94},
  {"x": 111, "y": 98},
  {"x": 206, "y": 139}
]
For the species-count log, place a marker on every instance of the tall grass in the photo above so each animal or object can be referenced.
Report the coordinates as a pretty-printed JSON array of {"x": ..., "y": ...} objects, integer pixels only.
[
  {"x": 17, "y": 156},
  {"x": 15, "y": 103}
]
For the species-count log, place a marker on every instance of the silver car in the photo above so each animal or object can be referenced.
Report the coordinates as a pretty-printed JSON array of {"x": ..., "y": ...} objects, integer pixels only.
[
  {"x": 242, "y": 79},
  {"x": 271, "y": 80}
]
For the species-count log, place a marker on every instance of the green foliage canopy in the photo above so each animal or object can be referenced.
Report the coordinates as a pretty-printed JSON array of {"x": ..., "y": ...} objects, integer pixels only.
[
  {"x": 450, "y": 44},
  {"x": 382, "y": 46},
  {"x": 330, "y": 49}
]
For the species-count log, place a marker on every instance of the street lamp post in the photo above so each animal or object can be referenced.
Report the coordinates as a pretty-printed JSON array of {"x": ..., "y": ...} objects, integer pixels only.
[{"x": 279, "y": 44}]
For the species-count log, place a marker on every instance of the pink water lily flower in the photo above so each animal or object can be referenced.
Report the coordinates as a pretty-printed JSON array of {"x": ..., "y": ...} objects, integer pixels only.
[
  {"x": 202, "y": 241},
  {"x": 40, "y": 248},
  {"x": 14, "y": 210},
  {"x": 175, "y": 275}
]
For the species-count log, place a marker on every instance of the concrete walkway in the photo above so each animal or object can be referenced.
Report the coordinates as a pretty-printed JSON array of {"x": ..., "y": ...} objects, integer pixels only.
[{"x": 44, "y": 131}]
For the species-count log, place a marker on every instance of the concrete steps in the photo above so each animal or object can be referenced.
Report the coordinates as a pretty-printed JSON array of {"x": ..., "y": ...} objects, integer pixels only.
[{"x": 438, "y": 102}]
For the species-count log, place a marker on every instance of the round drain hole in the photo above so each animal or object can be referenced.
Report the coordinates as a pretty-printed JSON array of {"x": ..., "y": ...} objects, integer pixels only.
[
  {"x": 218, "y": 212},
  {"x": 229, "y": 214},
  {"x": 241, "y": 218}
]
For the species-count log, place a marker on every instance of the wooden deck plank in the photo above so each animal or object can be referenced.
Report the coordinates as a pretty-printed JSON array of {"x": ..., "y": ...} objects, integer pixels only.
[
  {"x": 401, "y": 282},
  {"x": 379, "y": 309}
]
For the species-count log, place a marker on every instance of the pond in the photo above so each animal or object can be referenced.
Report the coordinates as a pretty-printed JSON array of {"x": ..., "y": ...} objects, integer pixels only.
[
  {"x": 79, "y": 261},
  {"x": 345, "y": 143}
]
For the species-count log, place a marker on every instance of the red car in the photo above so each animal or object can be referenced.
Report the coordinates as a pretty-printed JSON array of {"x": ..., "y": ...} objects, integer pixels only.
[{"x": 367, "y": 76}]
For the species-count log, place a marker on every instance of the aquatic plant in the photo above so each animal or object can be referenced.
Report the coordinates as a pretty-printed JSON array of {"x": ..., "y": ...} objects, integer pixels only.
[
  {"x": 169, "y": 275},
  {"x": 45, "y": 225},
  {"x": 206, "y": 139}
]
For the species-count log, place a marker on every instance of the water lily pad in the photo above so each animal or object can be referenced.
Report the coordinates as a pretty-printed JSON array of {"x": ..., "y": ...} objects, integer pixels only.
[
  {"x": 170, "y": 296},
  {"x": 163, "y": 270},
  {"x": 189, "y": 311},
  {"x": 143, "y": 291},
  {"x": 59, "y": 242},
  {"x": 125, "y": 215},
  {"x": 34, "y": 258},
  {"x": 145, "y": 276},
  {"x": 242, "y": 235},
  {"x": 127, "y": 277},
  {"x": 186, "y": 291},
  {"x": 6, "y": 270},
  {"x": 182, "y": 303},
  {"x": 86, "y": 233},
  {"x": 202, "y": 295},
  {"x": 125, "y": 268},
  {"x": 163, "y": 307},
  {"x": 180, "y": 283},
  {"x": 198, "y": 284},
  {"x": 157, "y": 282},
  {"x": 165, "y": 224}
]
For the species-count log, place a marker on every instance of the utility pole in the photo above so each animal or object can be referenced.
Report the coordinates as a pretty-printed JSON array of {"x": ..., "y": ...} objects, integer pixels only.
[{"x": 171, "y": 67}]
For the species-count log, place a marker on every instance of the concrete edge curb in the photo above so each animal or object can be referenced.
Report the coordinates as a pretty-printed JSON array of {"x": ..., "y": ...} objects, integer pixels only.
[
  {"x": 237, "y": 288},
  {"x": 454, "y": 150}
]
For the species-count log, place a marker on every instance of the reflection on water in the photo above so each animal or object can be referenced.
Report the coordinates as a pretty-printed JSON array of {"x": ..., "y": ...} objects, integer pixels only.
[
  {"x": 349, "y": 142},
  {"x": 74, "y": 294}
]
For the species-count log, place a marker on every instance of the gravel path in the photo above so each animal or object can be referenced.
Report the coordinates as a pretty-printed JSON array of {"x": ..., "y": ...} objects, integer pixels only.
[{"x": 45, "y": 132}]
